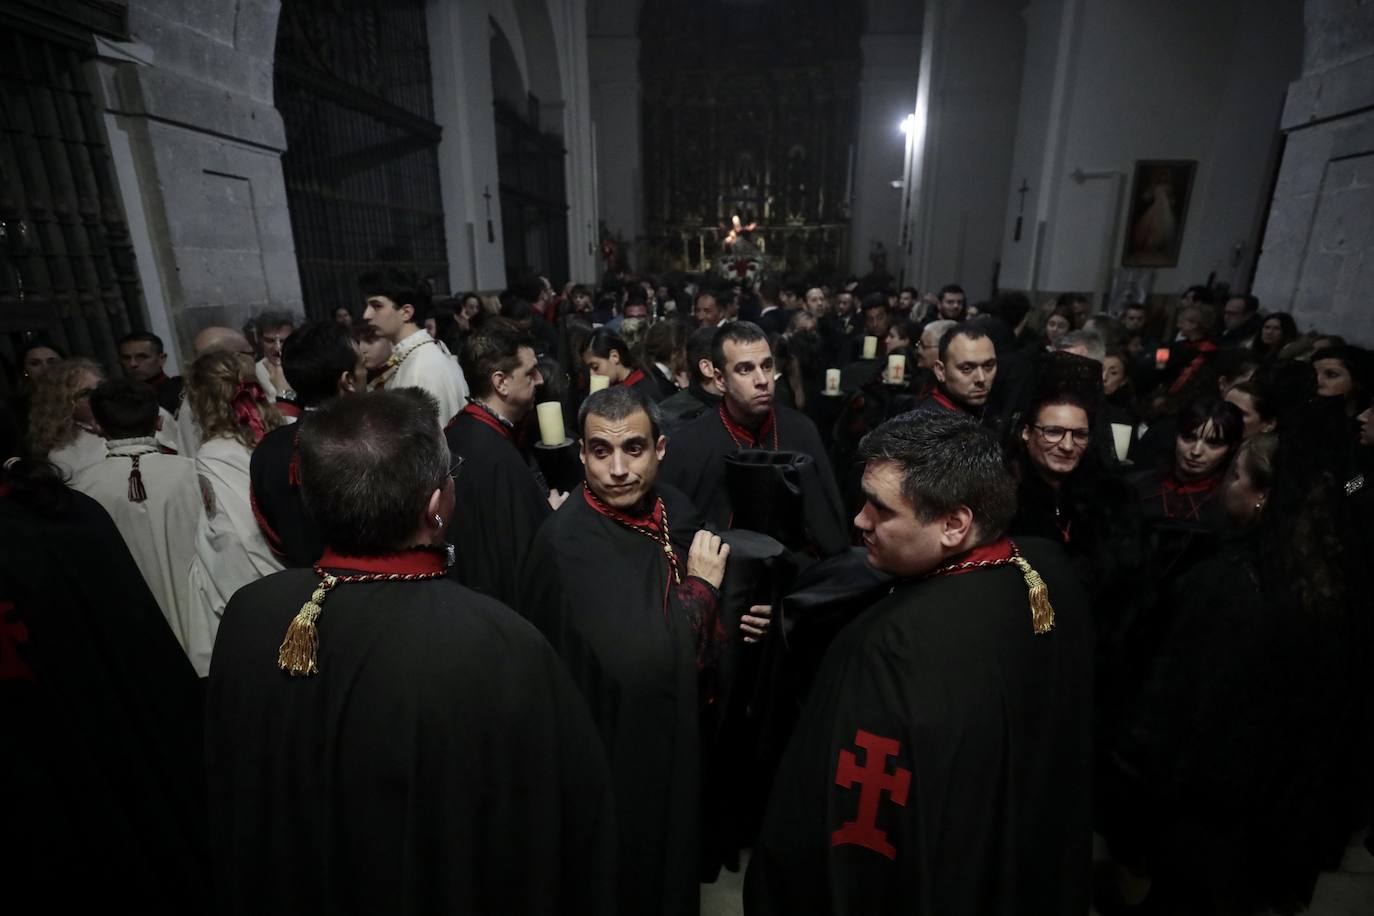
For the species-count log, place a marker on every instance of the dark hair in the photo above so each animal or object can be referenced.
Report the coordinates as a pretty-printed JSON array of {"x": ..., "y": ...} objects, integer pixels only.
[
  {"x": 1235, "y": 361},
  {"x": 1288, "y": 328},
  {"x": 702, "y": 293},
  {"x": 947, "y": 461},
  {"x": 1138, "y": 306},
  {"x": 1067, "y": 300},
  {"x": 873, "y": 301},
  {"x": 1202, "y": 294},
  {"x": 1251, "y": 303},
  {"x": 1358, "y": 361},
  {"x": 951, "y": 288},
  {"x": 699, "y": 344},
  {"x": 494, "y": 348},
  {"x": 664, "y": 343},
  {"x": 635, "y": 295},
  {"x": 266, "y": 321},
  {"x": 603, "y": 342},
  {"x": 368, "y": 466},
  {"x": 1257, "y": 453},
  {"x": 577, "y": 290},
  {"x": 1224, "y": 416},
  {"x": 769, "y": 289},
  {"x": 740, "y": 332},
  {"x": 968, "y": 329},
  {"x": 142, "y": 337},
  {"x": 400, "y": 288},
  {"x": 1010, "y": 309},
  {"x": 617, "y": 403},
  {"x": 906, "y": 329},
  {"x": 314, "y": 357},
  {"x": 915, "y": 294},
  {"x": 40, "y": 343},
  {"x": 125, "y": 408},
  {"x": 1261, "y": 396}
]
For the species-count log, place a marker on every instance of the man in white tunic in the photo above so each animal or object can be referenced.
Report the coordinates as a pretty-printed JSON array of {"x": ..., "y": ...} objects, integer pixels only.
[
  {"x": 397, "y": 308},
  {"x": 154, "y": 498}
]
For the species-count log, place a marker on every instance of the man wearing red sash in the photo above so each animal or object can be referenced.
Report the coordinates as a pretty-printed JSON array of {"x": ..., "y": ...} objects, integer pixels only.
[
  {"x": 380, "y": 739},
  {"x": 942, "y": 765},
  {"x": 501, "y": 498},
  {"x": 626, "y": 588}
]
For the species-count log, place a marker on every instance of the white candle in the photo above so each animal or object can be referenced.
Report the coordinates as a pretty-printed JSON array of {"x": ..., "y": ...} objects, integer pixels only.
[
  {"x": 896, "y": 367},
  {"x": 600, "y": 381},
  {"x": 1121, "y": 438},
  {"x": 832, "y": 381},
  {"x": 551, "y": 423},
  {"x": 870, "y": 347}
]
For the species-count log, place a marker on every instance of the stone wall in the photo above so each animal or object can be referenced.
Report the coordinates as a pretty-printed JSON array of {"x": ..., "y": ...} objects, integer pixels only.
[
  {"x": 197, "y": 145},
  {"x": 1318, "y": 253}
]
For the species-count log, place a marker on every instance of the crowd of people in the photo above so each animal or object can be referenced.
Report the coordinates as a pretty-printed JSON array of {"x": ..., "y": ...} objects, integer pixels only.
[{"x": 560, "y": 601}]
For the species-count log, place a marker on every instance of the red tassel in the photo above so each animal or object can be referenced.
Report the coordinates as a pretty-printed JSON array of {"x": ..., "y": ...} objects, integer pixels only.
[
  {"x": 293, "y": 473},
  {"x": 136, "y": 492}
]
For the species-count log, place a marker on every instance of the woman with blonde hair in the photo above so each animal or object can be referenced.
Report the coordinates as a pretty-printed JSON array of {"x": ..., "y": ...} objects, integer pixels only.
[
  {"x": 61, "y": 427},
  {"x": 234, "y": 414}
]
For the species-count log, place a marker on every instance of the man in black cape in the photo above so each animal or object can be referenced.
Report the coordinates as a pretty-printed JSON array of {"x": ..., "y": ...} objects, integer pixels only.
[
  {"x": 103, "y": 795},
  {"x": 626, "y": 588},
  {"x": 748, "y": 419},
  {"x": 321, "y": 361},
  {"x": 942, "y": 764},
  {"x": 380, "y": 739},
  {"x": 501, "y": 502},
  {"x": 702, "y": 394},
  {"x": 965, "y": 372}
]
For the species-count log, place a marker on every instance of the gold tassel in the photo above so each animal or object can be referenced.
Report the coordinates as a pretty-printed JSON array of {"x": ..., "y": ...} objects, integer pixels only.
[
  {"x": 300, "y": 649},
  {"x": 1042, "y": 612}
]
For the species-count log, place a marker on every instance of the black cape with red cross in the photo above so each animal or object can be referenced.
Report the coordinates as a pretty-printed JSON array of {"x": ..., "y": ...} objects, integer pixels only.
[
  {"x": 596, "y": 589},
  {"x": 439, "y": 762},
  {"x": 942, "y": 765},
  {"x": 101, "y": 789}
]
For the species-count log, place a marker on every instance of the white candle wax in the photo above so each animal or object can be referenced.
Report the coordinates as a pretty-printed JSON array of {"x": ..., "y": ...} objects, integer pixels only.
[
  {"x": 896, "y": 367},
  {"x": 1121, "y": 438},
  {"x": 870, "y": 347},
  {"x": 600, "y": 381},
  {"x": 551, "y": 423},
  {"x": 832, "y": 381}
]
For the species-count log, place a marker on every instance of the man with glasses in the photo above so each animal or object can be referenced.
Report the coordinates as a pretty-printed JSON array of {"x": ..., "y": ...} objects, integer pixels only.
[{"x": 502, "y": 497}]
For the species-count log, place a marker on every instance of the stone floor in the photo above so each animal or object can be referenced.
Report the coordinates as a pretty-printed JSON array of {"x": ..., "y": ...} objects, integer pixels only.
[{"x": 1348, "y": 891}]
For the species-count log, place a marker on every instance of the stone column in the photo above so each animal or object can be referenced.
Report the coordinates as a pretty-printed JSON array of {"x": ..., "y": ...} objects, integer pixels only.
[
  {"x": 197, "y": 144},
  {"x": 1317, "y": 259},
  {"x": 887, "y": 94},
  {"x": 616, "y": 109}
]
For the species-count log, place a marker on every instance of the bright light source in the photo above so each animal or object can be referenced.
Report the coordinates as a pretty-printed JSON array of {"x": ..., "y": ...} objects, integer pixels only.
[{"x": 908, "y": 123}]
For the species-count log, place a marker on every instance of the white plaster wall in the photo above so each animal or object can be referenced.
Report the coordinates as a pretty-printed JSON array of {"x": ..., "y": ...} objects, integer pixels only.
[
  {"x": 1165, "y": 80},
  {"x": 887, "y": 94},
  {"x": 549, "y": 40}
]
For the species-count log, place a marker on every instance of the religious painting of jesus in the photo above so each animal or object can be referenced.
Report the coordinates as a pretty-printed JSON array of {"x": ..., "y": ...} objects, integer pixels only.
[{"x": 1158, "y": 207}]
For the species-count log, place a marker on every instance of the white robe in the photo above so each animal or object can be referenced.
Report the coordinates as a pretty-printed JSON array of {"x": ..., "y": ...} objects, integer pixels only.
[
  {"x": 160, "y": 531},
  {"x": 230, "y": 548},
  {"x": 85, "y": 450},
  {"x": 426, "y": 363},
  {"x": 168, "y": 436},
  {"x": 188, "y": 430}
]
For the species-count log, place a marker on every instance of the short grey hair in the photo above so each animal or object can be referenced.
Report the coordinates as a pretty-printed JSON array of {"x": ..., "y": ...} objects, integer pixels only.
[{"x": 1088, "y": 340}]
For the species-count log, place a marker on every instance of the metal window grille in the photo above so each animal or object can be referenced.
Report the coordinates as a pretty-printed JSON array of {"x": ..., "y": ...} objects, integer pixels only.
[{"x": 67, "y": 268}]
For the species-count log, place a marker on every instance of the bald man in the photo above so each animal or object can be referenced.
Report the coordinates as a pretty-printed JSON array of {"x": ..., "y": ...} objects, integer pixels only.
[{"x": 211, "y": 340}]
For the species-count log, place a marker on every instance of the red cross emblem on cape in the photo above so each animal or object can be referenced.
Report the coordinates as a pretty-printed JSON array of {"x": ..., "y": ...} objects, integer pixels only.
[
  {"x": 13, "y": 634},
  {"x": 873, "y": 780}
]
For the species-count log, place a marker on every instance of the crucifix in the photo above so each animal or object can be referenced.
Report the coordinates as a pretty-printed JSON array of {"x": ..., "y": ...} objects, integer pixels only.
[
  {"x": 1022, "y": 209},
  {"x": 491, "y": 233}
]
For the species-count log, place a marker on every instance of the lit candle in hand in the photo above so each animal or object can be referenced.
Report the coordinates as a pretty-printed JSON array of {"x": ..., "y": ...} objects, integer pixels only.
[{"x": 551, "y": 423}]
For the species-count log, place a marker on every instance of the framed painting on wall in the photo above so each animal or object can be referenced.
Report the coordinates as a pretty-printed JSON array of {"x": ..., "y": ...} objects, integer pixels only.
[{"x": 1158, "y": 209}]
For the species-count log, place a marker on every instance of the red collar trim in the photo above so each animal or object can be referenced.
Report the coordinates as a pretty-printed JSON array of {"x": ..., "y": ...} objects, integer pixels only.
[
  {"x": 483, "y": 415},
  {"x": 634, "y": 378},
  {"x": 999, "y": 552},
  {"x": 1204, "y": 485},
  {"x": 745, "y": 438},
  {"x": 943, "y": 400},
  {"x": 412, "y": 562},
  {"x": 652, "y": 522}
]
